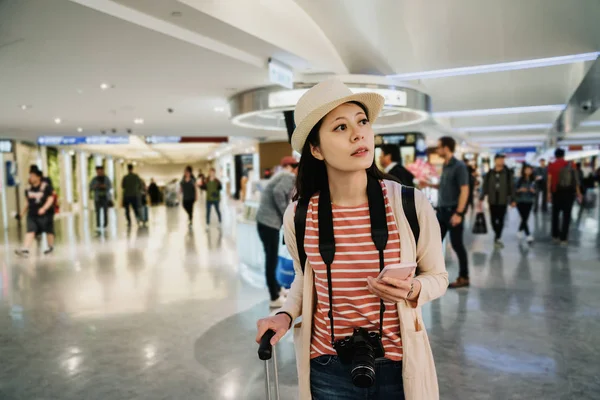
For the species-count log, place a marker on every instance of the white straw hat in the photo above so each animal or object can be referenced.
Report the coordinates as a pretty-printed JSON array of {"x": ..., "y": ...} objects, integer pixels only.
[{"x": 321, "y": 99}]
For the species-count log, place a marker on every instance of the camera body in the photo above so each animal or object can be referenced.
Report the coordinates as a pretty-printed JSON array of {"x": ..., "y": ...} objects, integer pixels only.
[{"x": 361, "y": 349}]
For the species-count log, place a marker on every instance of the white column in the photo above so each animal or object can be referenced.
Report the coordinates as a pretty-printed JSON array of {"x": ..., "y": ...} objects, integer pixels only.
[
  {"x": 68, "y": 177},
  {"x": 3, "y": 193},
  {"x": 84, "y": 193},
  {"x": 98, "y": 159},
  {"x": 42, "y": 159}
]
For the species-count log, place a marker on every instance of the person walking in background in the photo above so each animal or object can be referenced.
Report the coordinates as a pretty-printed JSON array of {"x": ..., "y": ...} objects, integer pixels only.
[
  {"x": 499, "y": 188},
  {"x": 200, "y": 181},
  {"x": 562, "y": 186},
  {"x": 38, "y": 209},
  {"x": 526, "y": 194},
  {"x": 213, "y": 195},
  {"x": 274, "y": 200},
  {"x": 50, "y": 237},
  {"x": 189, "y": 193},
  {"x": 452, "y": 205},
  {"x": 154, "y": 193},
  {"x": 391, "y": 162},
  {"x": 541, "y": 178},
  {"x": 101, "y": 186},
  {"x": 132, "y": 188}
]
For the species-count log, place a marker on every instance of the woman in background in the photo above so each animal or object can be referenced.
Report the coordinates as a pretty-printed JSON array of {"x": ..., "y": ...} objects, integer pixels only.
[
  {"x": 188, "y": 193},
  {"x": 526, "y": 195}
]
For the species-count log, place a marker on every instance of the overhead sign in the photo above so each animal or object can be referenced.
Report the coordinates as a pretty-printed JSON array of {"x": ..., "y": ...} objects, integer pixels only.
[
  {"x": 185, "y": 139},
  {"x": 78, "y": 140},
  {"x": 516, "y": 150},
  {"x": 6, "y": 146},
  {"x": 281, "y": 74}
]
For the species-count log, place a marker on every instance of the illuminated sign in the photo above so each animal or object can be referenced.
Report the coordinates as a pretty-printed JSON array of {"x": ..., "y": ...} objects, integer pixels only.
[
  {"x": 78, "y": 140},
  {"x": 281, "y": 74},
  {"x": 6, "y": 146}
]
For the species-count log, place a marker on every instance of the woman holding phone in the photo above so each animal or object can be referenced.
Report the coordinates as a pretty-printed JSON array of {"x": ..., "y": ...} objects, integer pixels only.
[{"x": 344, "y": 302}]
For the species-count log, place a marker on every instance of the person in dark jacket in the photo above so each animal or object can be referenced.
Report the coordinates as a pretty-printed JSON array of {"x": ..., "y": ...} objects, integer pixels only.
[
  {"x": 499, "y": 188},
  {"x": 391, "y": 162},
  {"x": 154, "y": 193},
  {"x": 189, "y": 193},
  {"x": 525, "y": 196}
]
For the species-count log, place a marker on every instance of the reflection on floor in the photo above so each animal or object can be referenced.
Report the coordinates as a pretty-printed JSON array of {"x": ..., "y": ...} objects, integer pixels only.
[{"x": 165, "y": 313}]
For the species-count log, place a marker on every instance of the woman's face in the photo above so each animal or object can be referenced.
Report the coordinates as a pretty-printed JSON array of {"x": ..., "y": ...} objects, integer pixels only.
[
  {"x": 347, "y": 141},
  {"x": 528, "y": 171}
]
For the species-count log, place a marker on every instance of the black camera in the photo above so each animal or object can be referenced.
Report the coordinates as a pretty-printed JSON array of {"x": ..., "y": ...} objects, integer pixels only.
[{"x": 361, "y": 349}]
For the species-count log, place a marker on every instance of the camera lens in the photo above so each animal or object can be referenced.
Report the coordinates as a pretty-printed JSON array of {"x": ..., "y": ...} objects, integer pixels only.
[{"x": 363, "y": 366}]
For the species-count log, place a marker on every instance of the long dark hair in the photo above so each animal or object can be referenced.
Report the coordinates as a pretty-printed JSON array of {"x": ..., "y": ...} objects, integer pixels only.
[
  {"x": 524, "y": 179},
  {"x": 312, "y": 173},
  {"x": 189, "y": 169}
]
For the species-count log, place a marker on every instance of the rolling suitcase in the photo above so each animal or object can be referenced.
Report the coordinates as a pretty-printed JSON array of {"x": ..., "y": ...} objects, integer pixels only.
[{"x": 267, "y": 352}]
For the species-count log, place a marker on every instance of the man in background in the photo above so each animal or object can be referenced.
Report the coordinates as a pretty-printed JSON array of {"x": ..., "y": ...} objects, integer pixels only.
[
  {"x": 39, "y": 202},
  {"x": 563, "y": 186},
  {"x": 541, "y": 178},
  {"x": 274, "y": 200},
  {"x": 452, "y": 205},
  {"x": 499, "y": 188},
  {"x": 132, "y": 188},
  {"x": 391, "y": 162},
  {"x": 101, "y": 186},
  {"x": 154, "y": 192}
]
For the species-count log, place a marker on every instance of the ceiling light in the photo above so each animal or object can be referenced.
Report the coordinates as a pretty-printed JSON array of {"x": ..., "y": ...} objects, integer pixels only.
[
  {"x": 79, "y": 130},
  {"x": 219, "y": 109},
  {"x": 499, "y": 67},
  {"x": 138, "y": 121},
  {"x": 507, "y": 128},
  {"x": 57, "y": 120},
  {"x": 25, "y": 107},
  {"x": 499, "y": 111},
  {"x": 590, "y": 123},
  {"x": 104, "y": 86}
]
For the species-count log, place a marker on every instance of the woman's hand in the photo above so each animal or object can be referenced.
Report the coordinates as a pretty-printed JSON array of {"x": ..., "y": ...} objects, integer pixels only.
[
  {"x": 394, "y": 290},
  {"x": 279, "y": 323}
]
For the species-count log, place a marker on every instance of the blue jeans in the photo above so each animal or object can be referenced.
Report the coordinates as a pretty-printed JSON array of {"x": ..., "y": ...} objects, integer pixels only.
[
  {"x": 331, "y": 380},
  {"x": 209, "y": 205}
]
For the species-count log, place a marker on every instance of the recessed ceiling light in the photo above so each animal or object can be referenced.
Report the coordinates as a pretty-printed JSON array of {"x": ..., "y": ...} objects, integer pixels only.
[
  {"x": 57, "y": 120},
  {"x": 79, "y": 130},
  {"x": 25, "y": 107},
  {"x": 219, "y": 109},
  {"x": 79, "y": 91},
  {"x": 104, "y": 86},
  {"x": 138, "y": 121}
]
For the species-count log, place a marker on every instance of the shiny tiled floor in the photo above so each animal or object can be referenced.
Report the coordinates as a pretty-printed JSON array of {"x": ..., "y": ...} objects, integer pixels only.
[{"x": 167, "y": 313}]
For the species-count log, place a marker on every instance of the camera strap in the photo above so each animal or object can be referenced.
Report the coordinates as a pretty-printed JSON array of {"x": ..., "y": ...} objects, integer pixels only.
[{"x": 379, "y": 235}]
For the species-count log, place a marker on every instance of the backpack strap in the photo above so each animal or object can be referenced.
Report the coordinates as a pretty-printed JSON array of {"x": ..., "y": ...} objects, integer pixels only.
[
  {"x": 300, "y": 224},
  {"x": 410, "y": 211}
]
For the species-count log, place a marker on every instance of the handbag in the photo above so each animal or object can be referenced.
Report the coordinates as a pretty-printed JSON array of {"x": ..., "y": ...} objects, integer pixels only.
[{"x": 480, "y": 226}]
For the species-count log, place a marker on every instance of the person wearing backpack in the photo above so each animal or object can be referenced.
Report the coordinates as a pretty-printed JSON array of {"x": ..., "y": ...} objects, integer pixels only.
[
  {"x": 563, "y": 187},
  {"x": 354, "y": 221},
  {"x": 499, "y": 188}
]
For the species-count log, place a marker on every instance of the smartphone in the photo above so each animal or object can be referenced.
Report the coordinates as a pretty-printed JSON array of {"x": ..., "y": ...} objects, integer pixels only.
[{"x": 399, "y": 271}]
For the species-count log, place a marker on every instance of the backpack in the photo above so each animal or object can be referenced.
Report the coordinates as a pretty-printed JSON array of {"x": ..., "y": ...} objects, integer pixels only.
[
  {"x": 567, "y": 181},
  {"x": 408, "y": 205}
]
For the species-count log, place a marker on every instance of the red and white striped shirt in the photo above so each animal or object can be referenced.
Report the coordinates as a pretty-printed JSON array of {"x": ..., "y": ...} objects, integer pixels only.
[{"x": 356, "y": 258}]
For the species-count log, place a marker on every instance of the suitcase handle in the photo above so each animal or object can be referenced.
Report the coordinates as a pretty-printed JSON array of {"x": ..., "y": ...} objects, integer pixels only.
[{"x": 265, "y": 349}]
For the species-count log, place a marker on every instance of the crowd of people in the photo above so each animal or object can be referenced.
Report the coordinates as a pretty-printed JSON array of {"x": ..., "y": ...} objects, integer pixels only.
[{"x": 42, "y": 201}]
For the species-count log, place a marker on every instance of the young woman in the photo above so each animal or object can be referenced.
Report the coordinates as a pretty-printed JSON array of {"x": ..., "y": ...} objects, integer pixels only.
[
  {"x": 526, "y": 195},
  {"x": 335, "y": 137},
  {"x": 213, "y": 195},
  {"x": 189, "y": 193}
]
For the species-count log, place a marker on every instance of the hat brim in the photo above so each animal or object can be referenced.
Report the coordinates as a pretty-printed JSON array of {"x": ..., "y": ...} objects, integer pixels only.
[{"x": 373, "y": 102}]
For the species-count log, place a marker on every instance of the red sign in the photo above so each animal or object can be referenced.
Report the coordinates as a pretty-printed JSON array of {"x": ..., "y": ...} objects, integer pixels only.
[{"x": 215, "y": 139}]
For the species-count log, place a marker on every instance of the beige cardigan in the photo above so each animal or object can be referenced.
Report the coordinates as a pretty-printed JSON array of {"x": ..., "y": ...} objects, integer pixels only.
[{"x": 418, "y": 368}]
